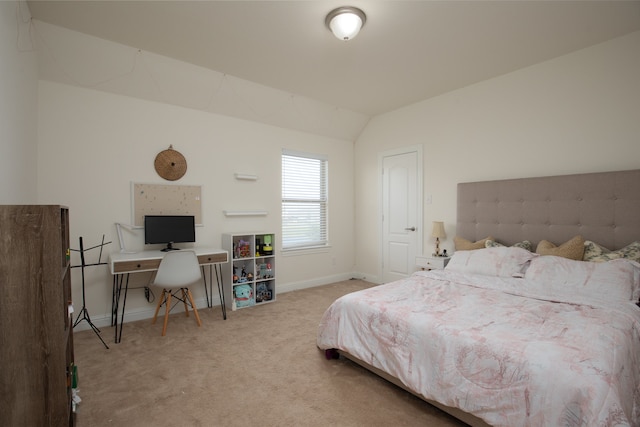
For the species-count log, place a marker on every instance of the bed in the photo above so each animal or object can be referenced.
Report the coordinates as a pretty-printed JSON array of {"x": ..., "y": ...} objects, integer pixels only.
[{"x": 506, "y": 336}]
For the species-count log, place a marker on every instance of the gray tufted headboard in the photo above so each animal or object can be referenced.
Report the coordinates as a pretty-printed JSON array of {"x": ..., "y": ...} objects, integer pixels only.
[{"x": 603, "y": 207}]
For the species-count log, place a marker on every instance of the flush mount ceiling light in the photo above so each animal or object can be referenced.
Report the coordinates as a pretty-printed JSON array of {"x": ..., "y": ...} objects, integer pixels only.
[{"x": 345, "y": 22}]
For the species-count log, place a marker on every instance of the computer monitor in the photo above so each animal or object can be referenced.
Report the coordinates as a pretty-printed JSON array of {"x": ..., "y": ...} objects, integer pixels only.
[{"x": 169, "y": 229}]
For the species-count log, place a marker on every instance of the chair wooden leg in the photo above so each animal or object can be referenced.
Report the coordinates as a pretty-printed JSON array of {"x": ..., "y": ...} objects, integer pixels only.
[
  {"x": 167, "y": 308},
  {"x": 184, "y": 300},
  {"x": 155, "y": 315},
  {"x": 193, "y": 305}
]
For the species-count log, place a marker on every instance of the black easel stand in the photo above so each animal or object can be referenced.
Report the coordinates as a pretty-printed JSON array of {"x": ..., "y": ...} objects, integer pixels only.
[{"x": 84, "y": 313}]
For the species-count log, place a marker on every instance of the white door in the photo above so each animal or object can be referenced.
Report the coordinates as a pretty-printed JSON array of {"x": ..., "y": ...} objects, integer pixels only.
[{"x": 401, "y": 213}]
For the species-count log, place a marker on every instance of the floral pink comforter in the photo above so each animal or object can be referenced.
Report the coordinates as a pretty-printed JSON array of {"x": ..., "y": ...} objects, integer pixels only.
[{"x": 483, "y": 345}]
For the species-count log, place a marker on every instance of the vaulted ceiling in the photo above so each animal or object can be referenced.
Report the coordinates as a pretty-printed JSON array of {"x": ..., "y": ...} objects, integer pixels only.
[{"x": 407, "y": 51}]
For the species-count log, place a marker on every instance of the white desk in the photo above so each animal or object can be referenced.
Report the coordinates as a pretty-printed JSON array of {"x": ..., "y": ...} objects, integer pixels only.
[{"x": 122, "y": 264}]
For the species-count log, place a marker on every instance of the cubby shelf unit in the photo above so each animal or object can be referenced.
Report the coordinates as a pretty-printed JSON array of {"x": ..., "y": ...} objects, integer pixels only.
[{"x": 250, "y": 276}]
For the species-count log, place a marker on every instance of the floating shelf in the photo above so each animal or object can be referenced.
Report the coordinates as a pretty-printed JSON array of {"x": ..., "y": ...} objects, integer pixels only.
[
  {"x": 246, "y": 177},
  {"x": 245, "y": 213}
]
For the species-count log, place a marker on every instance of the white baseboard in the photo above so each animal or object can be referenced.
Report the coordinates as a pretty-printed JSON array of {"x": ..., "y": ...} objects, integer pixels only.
[
  {"x": 288, "y": 287},
  {"x": 147, "y": 313},
  {"x": 136, "y": 314},
  {"x": 368, "y": 277}
]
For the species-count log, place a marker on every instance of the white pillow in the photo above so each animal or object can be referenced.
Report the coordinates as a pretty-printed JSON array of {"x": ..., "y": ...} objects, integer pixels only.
[
  {"x": 498, "y": 261},
  {"x": 567, "y": 279}
]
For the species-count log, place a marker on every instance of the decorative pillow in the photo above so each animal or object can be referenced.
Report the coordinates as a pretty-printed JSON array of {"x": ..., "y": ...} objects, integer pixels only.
[
  {"x": 467, "y": 245},
  {"x": 570, "y": 280},
  {"x": 501, "y": 261},
  {"x": 572, "y": 249},
  {"x": 525, "y": 244},
  {"x": 596, "y": 253}
]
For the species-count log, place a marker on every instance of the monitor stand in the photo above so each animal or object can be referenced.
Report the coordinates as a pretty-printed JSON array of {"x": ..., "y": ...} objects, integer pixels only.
[{"x": 170, "y": 248}]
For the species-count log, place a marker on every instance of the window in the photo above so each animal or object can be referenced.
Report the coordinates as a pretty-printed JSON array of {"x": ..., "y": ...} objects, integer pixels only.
[{"x": 304, "y": 200}]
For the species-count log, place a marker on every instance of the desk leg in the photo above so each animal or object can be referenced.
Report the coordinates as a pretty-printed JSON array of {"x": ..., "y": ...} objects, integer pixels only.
[
  {"x": 209, "y": 289},
  {"x": 115, "y": 303},
  {"x": 115, "y": 297},
  {"x": 206, "y": 290},
  {"x": 220, "y": 291},
  {"x": 118, "y": 337}
]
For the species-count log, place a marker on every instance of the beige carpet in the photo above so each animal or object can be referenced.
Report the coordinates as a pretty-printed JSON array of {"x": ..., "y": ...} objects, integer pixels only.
[{"x": 260, "y": 367}]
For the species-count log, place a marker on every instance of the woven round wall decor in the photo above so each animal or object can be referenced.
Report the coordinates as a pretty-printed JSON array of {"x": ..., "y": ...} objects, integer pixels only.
[{"x": 170, "y": 164}]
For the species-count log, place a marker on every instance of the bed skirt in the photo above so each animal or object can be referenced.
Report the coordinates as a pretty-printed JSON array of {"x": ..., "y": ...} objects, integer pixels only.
[{"x": 469, "y": 419}]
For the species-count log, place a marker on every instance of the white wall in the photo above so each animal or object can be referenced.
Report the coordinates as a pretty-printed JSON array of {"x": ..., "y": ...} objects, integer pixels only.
[
  {"x": 78, "y": 59},
  {"x": 577, "y": 113},
  {"x": 18, "y": 103},
  {"x": 93, "y": 144}
]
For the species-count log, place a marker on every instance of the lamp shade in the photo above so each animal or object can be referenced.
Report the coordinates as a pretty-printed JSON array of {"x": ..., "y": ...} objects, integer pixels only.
[
  {"x": 438, "y": 230},
  {"x": 345, "y": 22}
]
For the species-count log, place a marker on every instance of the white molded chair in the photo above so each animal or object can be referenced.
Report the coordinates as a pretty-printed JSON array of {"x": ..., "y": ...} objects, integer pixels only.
[{"x": 178, "y": 270}]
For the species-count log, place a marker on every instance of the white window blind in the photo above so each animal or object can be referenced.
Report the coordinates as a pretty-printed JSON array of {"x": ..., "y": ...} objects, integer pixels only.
[{"x": 304, "y": 200}]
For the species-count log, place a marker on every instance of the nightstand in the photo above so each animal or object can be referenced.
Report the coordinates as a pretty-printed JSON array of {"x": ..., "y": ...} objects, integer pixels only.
[{"x": 432, "y": 262}]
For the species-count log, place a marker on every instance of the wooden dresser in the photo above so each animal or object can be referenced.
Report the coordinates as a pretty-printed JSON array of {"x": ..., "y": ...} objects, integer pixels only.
[{"x": 36, "y": 328}]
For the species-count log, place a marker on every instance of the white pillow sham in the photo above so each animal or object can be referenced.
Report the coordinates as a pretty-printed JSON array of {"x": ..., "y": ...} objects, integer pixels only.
[
  {"x": 563, "y": 278},
  {"x": 498, "y": 261}
]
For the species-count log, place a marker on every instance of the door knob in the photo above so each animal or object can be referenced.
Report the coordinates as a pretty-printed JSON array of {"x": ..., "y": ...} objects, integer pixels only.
[{"x": 410, "y": 229}]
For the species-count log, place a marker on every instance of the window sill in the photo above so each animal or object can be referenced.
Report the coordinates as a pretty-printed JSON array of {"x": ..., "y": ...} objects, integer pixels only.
[{"x": 305, "y": 251}]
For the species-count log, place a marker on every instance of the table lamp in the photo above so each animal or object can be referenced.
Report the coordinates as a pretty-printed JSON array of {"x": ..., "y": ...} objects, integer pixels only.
[
  {"x": 438, "y": 232},
  {"x": 119, "y": 226}
]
